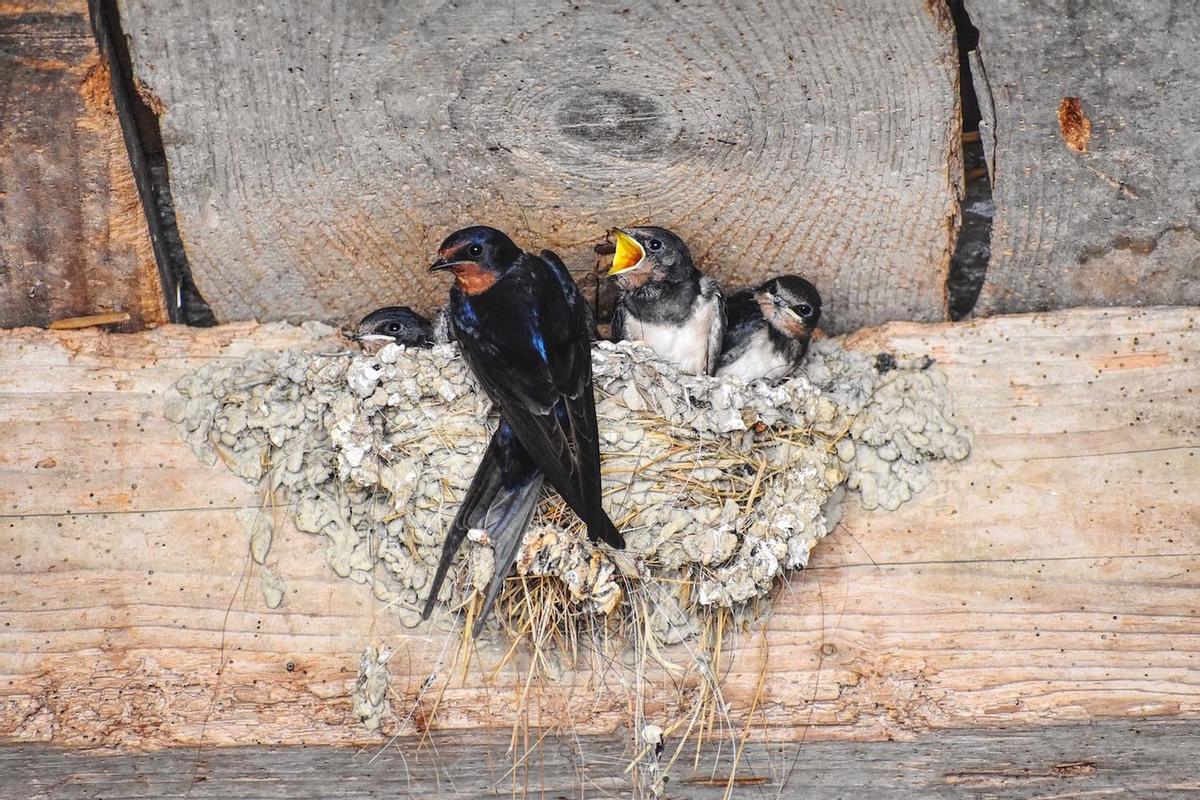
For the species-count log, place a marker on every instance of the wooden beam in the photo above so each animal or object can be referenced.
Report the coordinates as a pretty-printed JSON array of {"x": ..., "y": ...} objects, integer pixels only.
[
  {"x": 73, "y": 239},
  {"x": 318, "y": 157},
  {"x": 1117, "y": 224},
  {"x": 1049, "y": 578},
  {"x": 1142, "y": 758}
]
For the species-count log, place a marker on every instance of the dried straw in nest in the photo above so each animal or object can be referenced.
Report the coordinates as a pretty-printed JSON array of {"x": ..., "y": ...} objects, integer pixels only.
[{"x": 720, "y": 487}]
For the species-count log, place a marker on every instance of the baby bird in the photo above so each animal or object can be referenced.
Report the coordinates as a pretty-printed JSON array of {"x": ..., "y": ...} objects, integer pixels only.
[
  {"x": 664, "y": 301},
  {"x": 769, "y": 328},
  {"x": 393, "y": 325}
]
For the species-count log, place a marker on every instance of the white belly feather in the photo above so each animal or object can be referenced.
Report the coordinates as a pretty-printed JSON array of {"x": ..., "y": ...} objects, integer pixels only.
[
  {"x": 760, "y": 359},
  {"x": 685, "y": 346}
]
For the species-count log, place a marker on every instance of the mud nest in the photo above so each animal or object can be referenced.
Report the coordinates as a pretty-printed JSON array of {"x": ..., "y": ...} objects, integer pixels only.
[{"x": 720, "y": 487}]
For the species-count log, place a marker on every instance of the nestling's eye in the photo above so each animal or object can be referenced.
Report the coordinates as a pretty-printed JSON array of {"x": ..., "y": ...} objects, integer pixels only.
[
  {"x": 475, "y": 249},
  {"x": 655, "y": 244},
  {"x": 804, "y": 309},
  {"x": 393, "y": 327}
]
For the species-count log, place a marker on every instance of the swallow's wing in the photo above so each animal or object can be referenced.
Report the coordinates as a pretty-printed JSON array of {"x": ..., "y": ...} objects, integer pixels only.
[
  {"x": 510, "y": 358},
  {"x": 741, "y": 316},
  {"x": 710, "y": 290},
  {"x": 619, "y": 333},
  {"x": 568, "y": 334}
]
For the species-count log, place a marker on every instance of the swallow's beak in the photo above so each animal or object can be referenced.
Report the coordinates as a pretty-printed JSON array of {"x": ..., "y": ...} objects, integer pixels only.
[
  {"x": 444, "y": 264},
  {"x": 629, "y": 253}
]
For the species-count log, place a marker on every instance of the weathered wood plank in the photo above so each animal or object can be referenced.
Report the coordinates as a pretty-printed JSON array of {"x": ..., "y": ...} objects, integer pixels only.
[
  {"x": 1049, "y": 578},
  {"x": 315, "y": 177},
  {"x": 1116, "y": 225},
  {"x": 73, "y": 240},
  {"x": 1145, "y": 758}
]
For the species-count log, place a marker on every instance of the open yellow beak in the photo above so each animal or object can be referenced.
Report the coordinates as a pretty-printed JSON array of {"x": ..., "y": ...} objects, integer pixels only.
[{"x": 629, "y": 253}]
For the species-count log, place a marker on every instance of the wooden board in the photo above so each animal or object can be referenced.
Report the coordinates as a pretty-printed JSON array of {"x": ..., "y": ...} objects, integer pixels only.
[
  {"x": 318, "y": 156},
  {"x": 1116, "y": 225},
  {"x": 73, "y": 240},
  {"x": 1049, "y": 579},
  {"x": 1146, "y": 758}
]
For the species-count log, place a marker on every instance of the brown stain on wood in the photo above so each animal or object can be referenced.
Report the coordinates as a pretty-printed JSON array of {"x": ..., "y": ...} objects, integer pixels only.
[
  {"x": 152, "y": 101},
  {"x": 1072, "y": 768},
  {"x": 1074, "y": 124},
  {"x": 96, "y": 91},
  {"x": 72, "y": 229},
  {"x": 1109, "y": 362},
  {"x": 127, "y": 224},
  {"x": 46, "y": 64}
]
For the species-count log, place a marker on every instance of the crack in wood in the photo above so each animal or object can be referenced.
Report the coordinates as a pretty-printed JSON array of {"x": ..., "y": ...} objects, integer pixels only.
[{"x": 138, "y": 110}]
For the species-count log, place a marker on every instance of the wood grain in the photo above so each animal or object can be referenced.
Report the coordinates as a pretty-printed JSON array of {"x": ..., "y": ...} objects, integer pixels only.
[
  {"x": 1050, "y": 578},
  {"x": 73, "y": 240},
  {"x": 319, "y": 153},
  {"x": 1147, "y": 758},
  {"x": 1113, "y": 222}
]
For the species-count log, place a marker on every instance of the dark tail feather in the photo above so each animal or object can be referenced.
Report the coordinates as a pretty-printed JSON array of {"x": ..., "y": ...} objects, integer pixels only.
[
  {"x": 606, "y": 530},
  {"x": 506, "y": 521},
  {"x": 582, "y": 415},
  {"x": 485, "y": 486}
]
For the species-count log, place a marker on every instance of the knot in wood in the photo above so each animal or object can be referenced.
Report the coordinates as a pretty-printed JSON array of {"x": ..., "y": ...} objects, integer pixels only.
[{"x": 616, "y": 120}]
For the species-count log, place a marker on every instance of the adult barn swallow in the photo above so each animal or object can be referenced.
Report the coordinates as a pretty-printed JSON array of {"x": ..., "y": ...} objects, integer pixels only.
[
  {"x": 525, "y": 333},
  {"x": 769, "y": 328},
  {"x": 394, "y": 324},
  {"x": 664, "y": 301},
  {"x": 501, "y": 500}
]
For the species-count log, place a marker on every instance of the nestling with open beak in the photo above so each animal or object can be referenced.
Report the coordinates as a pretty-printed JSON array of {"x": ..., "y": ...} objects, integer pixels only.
[
  {"x": 769, "y": 328},
  {"x": 525, "y": 332},
  {"x": 392, "y": 325},
  {"x": 664, "y": 301}
]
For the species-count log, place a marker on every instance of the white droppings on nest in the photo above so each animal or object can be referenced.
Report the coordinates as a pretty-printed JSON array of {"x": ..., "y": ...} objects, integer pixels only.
[
  {"x": 272, "y": 588},
  {"x": 720, "y": 487},
  {"x": 371, "y": 703}
]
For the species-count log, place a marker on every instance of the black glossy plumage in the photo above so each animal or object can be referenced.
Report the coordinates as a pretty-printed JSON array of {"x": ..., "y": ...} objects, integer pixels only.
[
  {"x": 527, "y": 340},
  {"x": 501, "y": 499}
]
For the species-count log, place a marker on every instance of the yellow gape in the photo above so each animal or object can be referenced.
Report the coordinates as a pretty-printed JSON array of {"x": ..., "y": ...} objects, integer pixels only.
[{"x": 629, "y": 253}]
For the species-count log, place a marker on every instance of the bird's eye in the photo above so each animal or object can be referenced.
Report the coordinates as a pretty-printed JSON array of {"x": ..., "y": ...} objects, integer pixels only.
[
  {"x": 655, "y": 244},
  {"x": 475, "y": 249},
  {"x": 393, "y": 327},
  {"x": 804, "y": 309}
]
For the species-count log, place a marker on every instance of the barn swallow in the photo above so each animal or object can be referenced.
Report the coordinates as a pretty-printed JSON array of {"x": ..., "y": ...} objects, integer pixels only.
[
  {"x": 769, "y": 328},
  {"x": 500, "y": 500},
  {"x": 525, "y": 332},
  {"x": 393, "y": 325},
  {"x": 664, "y": 301}
]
